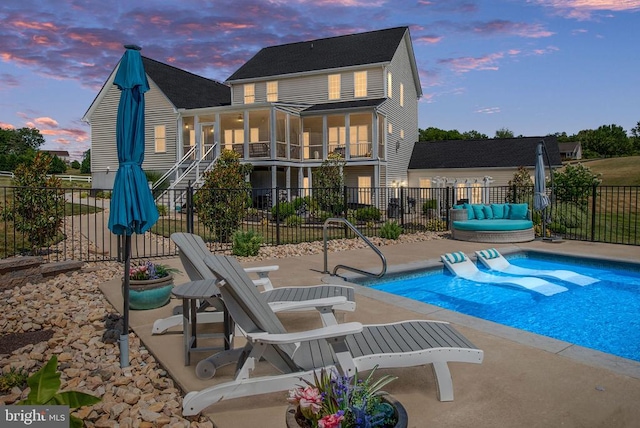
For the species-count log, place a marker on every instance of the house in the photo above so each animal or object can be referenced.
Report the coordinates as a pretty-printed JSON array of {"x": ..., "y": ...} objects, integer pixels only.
[
  {"x": 62, "y": 154},
  {"x": 471, "y": 165},
  {"x": 570, "y": 151},
  {"x": 284, "y": 111}
]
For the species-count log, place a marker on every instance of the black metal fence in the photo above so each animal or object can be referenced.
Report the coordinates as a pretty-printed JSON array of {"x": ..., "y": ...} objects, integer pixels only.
[{"x": 294, "y": 215}]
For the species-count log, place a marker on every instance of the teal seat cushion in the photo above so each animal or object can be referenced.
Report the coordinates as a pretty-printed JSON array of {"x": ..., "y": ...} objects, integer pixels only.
[
  {"x": 518, "y": 211},
  {"x": 498, "y": 225}
]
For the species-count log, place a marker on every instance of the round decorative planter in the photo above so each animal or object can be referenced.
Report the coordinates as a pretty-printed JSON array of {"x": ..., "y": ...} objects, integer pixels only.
[
  {"x": 400, "y": 411},
  {"x": 149, "y": 293}
]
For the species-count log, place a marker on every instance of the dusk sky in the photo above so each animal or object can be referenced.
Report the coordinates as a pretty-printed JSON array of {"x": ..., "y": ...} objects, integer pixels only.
[{"x": 532, "y": 66}]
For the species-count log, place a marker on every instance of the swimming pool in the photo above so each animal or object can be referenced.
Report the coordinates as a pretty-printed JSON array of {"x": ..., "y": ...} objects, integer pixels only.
[{"x": 601, "y": 316}]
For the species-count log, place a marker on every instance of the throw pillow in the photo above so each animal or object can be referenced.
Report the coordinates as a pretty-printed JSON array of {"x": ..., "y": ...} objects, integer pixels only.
[
  {"x": 456, "y": 257},
  {"x": 457, "y": 207},
  {"x": 507, "y": 211},
  {"x": 469, "y": 211},
  {"x": 518, "y": 211},
  {"x": 498, "y": 210},
  {"x": 488, "y": 212},
  {"x": 478, "y": 211}
]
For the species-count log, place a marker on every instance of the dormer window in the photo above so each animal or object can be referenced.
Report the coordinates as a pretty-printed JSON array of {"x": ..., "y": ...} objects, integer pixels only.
[
  {"x": 249, "y": 93},
  {"x": 272, "y": 92},
  {"x": 360, "y": 84}
]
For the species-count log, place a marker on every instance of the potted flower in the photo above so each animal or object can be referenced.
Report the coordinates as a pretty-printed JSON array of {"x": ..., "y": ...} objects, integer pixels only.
[
  {"x": 335, "y": 401},
  {"x": 150, "y": 285}
]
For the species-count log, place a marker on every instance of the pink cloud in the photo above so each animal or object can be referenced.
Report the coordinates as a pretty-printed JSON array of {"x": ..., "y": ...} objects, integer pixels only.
[
  {"x": 583, "y": 9},
  {"x": 431, "y": 39},
  {"x": 466, "y": 64},
  {"x": 513, "y": 28},
  {"x": 46, "y": 121},
  {"x": 6, "y": 126}
]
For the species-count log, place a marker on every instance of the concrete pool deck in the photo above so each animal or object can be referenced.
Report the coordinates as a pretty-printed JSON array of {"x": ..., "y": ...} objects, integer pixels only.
[{"x": 526, "y": 380}]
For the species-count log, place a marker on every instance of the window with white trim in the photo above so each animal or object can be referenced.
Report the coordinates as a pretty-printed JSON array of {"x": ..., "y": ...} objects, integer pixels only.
[
  {"x": 401, "y": 95},
  {"x": 249, "y": 93},
  {"x": 160, "y": 138},
  {"x": 389, "y": 85},
  {"x": 360, "y": 84},
  {"x": 272, "y": 92},
  {"x": 334, "y": 86}
]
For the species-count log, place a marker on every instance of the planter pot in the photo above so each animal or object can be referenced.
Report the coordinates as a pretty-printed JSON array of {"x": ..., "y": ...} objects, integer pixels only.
[
  {"x": 150, "y": 293},
  {"x": 401, "y": 414}
]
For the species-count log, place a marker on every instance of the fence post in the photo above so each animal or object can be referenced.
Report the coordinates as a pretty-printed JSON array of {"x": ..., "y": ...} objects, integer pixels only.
[
  {"x": 345, "y": 201},
  {"x": 447, "y": 204},
  {"x": 594, "y": 193},
  {"x": 402, "y": 204},
  {"x": 189, "y": 203},
  {"x": 277, "y": 215}
]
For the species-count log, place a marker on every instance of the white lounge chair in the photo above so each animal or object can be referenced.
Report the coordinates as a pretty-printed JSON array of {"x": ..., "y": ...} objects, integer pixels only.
[
  {"x": 460, "y": 265},
  {"x": 324, "y": 298},
  {"x": 348, "y": 347},
  {"x": 493, "y": 260}
]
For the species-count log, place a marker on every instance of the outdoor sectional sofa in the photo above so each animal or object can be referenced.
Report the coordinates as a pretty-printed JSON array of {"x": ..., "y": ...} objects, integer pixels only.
[{"x": 494, "y": 223}]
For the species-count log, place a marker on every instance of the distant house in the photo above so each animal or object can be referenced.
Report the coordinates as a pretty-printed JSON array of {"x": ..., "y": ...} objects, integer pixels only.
[
  {"x": 570, "y": 151},
  {"x": 62, "y": 154},
  {"x": 284, "y": 111},
  {"x": 473, "y": 164}
]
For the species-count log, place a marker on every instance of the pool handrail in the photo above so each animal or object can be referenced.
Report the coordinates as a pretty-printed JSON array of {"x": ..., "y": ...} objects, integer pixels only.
[{"x": 364, "y": 239}]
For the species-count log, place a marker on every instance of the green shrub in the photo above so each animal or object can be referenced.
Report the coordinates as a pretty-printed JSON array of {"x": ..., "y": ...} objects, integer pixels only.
[
  {"x": 293, "y": 220},
  {"x": 162, "y": 209},
  {"x": 435, "y": 225},
  {"x": 557, "y": 227},
  {"x": 368, "y": 213},
  {"x": 430, "y": 204},
  {"x": 15, "y": 377},
  {"x": 246, "y": 243},
  {"x": 568, "y": 214},
  {"x": 320, "y": 215},
  {"x": 283, "y": 210},
  {"x": 390, "y": 230},
  {"x": 103, "y": 194}
]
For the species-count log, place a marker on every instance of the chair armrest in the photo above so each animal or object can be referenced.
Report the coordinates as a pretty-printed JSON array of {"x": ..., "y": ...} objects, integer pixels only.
[
  {"x": 305, "y": 304},
  {"x": 259, "y": 269},
  {"x": 303, "y": 336},
  {"x": 263, "y": 274},
  {"x": 529, "y": 217}
]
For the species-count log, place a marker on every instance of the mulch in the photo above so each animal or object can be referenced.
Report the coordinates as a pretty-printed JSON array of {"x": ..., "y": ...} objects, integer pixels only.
[{"x": 11, "y": 342}]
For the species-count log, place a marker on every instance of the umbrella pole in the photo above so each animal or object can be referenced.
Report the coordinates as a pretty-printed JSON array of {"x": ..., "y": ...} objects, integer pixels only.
[{"x": 124, "y": 336}]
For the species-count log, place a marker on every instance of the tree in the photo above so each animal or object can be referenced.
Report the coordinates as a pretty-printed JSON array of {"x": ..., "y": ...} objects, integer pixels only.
[
  {"x": 504, "y": 133},
  {"x": 328, "y": 184},
  {"x": 75, "y": 164},
  {"x": 574, "y": 184},
  {"x": 435, "y": 134},
  {"x": 607, "y": 141},
  {"x": 474, "y": 135},
  {"x": 20, "y": 141},
  {"x": 222, "y": 200},
  {"x": 58, "y": 166},
  {"x": 38, "y": 204},
  {"x": 85, "y": 167},
  {"x": 521, "y": 186},
  {"x": 635, "y": 137}
]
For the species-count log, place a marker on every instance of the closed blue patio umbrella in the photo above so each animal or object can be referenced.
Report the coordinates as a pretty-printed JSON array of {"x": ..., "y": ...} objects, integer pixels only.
[
  {"x": 132, "y": 209},
  {"x": 540, "y": 198}
]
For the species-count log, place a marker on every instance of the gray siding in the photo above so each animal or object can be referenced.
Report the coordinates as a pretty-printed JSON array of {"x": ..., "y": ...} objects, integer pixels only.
[
  {"x": 158, "y": 111},
  {"x": 313, "y": 89},
  {"x": 500, "y": 176},
  {"x": 402, "y": 118}
]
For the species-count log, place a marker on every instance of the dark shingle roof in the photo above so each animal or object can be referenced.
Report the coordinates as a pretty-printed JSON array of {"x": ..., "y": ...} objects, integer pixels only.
[
  {"x": 491, "y": 153},
  {"x": 184, "y": 89},
  {"x": 334, "y": 52},
  {"x": 345, "y": 105}
]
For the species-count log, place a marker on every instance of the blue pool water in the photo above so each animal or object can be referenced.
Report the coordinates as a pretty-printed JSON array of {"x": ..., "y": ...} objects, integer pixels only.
[{"x": 603, "y": 316}]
